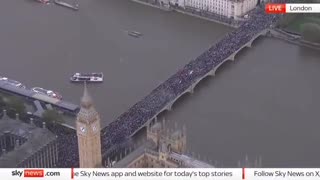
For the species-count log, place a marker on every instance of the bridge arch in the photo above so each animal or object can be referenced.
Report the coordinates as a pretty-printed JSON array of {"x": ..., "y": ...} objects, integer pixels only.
[
  {"x": 191, "y": 88},
  {"x": 258, "y": 36},
  {"x": 162, "y": 114},
  {"x": 180, "y": 99},
  {"x": 249, "y": 44},
  {"x": 243, "y": 48},
  {"x": 169, "y": 106},
  {"x": 203, "y": 80},
  {"x": 224, "y": 62}
]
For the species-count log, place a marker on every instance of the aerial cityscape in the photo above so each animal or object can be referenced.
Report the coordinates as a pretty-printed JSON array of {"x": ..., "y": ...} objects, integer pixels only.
[{"x": 158, "y": 84}]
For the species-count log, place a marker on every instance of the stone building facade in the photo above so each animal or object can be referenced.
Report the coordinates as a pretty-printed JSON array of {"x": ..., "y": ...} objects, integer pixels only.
[
  {"x": 163, "y": 149},
  {"x": 25, "y": 145},
  {"x": 228, "y": 8}
]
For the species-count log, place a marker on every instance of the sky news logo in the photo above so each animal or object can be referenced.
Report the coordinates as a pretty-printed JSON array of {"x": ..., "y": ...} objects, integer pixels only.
[
  {"x": 275, "y": 8},
  {"x": 32, "y": 173}
]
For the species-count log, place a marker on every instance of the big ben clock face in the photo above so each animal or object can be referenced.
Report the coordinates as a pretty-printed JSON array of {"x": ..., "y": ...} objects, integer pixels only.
[{"x": 82, "y": 129}]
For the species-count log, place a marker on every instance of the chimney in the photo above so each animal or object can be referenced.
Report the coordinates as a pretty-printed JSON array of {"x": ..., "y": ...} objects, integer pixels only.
[
  {"x": 109, "y": 164},
  {"x": 44, "y": 125},
  {"x": 148, "y": 126},
  {"x": 31, "y": 121},
  {"x": 260, "y": 162},
  {"x": 4, "y": 113},
  {"x": 216, "y": 163},
  {"x": 184, "y": 130},
  {"x": 17, "y": 116},
  {"x": 163, "y": 123},
  {"x": 17, "y": 144}
]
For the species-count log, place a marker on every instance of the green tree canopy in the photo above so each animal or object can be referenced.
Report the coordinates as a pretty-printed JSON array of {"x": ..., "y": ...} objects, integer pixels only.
[
  {"x": 17, "y": 104},
  {"x": 311, "y": 32},
  {"x": 52, "y": 117}
]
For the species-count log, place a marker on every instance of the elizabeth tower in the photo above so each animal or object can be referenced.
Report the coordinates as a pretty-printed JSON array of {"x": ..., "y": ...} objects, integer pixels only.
[{"x": 88, "y": 132}]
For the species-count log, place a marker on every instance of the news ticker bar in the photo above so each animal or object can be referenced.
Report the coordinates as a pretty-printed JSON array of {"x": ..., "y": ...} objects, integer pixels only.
[
  {"x": 161, "y": 174},
  {"x": 292, "y": 8}
]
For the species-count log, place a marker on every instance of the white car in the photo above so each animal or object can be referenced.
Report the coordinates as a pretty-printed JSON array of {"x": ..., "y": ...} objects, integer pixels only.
[{"x": 49, "y": 93}]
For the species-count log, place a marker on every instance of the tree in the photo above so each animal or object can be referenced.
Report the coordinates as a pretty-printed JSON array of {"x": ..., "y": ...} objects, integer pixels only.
[
  {"x": 16, "y": 104},
  {"x": 52, "y": 117},
  {"x": 311, "y": 32}
]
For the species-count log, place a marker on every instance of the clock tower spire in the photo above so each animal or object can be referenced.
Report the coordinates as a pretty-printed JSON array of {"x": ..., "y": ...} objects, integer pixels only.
[{"x": 88, "y": 132}]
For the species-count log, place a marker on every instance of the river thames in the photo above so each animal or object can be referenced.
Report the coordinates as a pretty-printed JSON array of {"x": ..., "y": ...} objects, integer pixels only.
[{"x": 265, "y": 103}]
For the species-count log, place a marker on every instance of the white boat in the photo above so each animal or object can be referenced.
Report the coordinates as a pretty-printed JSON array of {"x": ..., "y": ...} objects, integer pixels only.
[
  {"x": 13, "y": 82},
  {"x": 88, "y": 77},
  {"x": 49, "y": 93},
  {"x": 134, "y": 33},
  {"x": 67, "y": 5}
]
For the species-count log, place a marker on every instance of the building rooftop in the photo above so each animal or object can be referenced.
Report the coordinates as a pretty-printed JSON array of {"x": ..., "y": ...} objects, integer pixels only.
[
  {"x": 136, "y": 153},
  {"x": 189, "y": 161},
  {"x": 150, "y": 148},
  {"x": 36, "y": 139}
]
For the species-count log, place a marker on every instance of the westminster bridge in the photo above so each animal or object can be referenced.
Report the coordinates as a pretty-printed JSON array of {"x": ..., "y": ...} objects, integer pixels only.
[
  {"x": 194, "y": 82},
  {"x": 186, "y": 79}
]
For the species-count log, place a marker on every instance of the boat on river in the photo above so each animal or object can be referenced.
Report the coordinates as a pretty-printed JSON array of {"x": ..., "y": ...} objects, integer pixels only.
[
  {"x": 135, "y": 34},
  {"x": 67, "y": 5},
  {"x": 87, "y": 77}
]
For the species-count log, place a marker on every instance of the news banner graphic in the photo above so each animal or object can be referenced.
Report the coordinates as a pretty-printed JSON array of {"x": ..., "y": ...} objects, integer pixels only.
[
  {"x": 161, "y": 174},
  {"x": 292, "y": 8}
]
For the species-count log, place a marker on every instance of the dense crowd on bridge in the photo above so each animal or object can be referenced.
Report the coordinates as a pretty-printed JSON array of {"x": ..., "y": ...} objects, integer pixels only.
[{"x": 164, "y": 95}]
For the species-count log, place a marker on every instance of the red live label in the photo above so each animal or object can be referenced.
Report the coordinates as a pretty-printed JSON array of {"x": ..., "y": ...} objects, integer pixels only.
[
  {"x": 275, "y": 8},
  {"x": 33, "y": 173}
]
